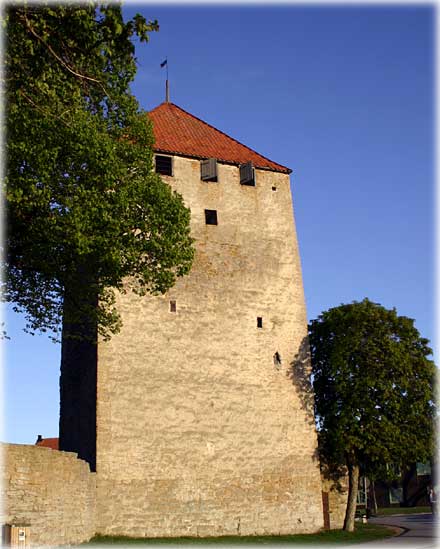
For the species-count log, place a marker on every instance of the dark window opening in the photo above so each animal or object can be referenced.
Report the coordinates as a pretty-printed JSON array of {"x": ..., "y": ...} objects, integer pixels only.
[
  {"x": 208, "y": 169},
  {"x": 164, "y": 165},
  {"x": 274, "y": 188},
  {"x": 173, "y": 306},
  {"x": 277, "y": 359},
  {"x": 211, "y": 217},
  {"x": 247, "y": 174},
  {"x": 259, "y": 321}
]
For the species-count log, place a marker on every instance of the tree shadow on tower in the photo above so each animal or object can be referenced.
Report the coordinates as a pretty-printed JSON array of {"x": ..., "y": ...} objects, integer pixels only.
[{"x": 299, "y": 372}]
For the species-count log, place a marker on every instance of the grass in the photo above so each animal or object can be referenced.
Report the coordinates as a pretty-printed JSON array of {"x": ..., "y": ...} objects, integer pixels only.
[
  {"x": 386, "y": 511},
  {"x": 362, "y": 533}
]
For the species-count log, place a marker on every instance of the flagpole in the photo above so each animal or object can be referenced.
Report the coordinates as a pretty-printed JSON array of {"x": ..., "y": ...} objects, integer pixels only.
[
  {"x": 167, "y": 88},
  {"x": 167, "y": 94}
]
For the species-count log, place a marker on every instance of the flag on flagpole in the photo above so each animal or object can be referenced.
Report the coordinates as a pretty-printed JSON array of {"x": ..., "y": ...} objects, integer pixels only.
[{"x": 164, "y": 63}]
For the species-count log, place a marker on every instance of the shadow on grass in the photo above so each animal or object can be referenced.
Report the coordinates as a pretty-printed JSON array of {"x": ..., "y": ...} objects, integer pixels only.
[{"x": 362, "y": 533}]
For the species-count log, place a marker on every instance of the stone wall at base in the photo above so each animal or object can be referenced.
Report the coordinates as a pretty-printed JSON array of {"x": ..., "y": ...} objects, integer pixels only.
[
  {"x": 51, "y": 492},
  {"x": 337, "y": 490},
  {"x": 203, "y": 506}
]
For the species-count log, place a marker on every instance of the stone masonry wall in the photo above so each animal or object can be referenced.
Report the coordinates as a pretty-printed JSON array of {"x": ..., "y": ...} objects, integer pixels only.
[
  {"x": 52, "y": 492},
  {"x": 200, "y": 430},
  {"x": 337, "y": 489}
]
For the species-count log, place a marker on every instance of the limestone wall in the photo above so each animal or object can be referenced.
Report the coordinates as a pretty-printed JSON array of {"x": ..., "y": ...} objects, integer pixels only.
[
  {"x": 199, "y": 430},
  {"x": 52, "y": 492},
  {"x": 337, "y": 489}
]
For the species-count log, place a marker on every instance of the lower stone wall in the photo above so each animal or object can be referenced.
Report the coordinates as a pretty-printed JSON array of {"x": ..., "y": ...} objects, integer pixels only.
[
  {"x": 337, "y": 489},
  {"x": 51, "y": 492},
  {"x": 54, "y": 494},
  {"x": 209, "y": 506}
]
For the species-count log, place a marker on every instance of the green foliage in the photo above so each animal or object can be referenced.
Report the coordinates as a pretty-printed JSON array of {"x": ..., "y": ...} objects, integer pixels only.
[
  {"x": 374, "y": 387},
  {"x": 85, "y": 211}
]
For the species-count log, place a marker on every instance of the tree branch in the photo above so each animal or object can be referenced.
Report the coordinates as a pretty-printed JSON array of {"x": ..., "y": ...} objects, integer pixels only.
[
  {"x": 58, "y": 58},
  {"x": 29, "y": 100}
]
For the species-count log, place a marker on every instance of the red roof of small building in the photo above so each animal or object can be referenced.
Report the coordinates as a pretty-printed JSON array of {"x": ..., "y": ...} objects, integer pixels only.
[
  {"x": 48, "y": 443},
  {"x": 179, "y": 132}
]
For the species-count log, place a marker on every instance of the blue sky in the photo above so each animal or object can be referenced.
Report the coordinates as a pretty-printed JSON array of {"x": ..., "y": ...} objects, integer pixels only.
[{"x": 342, "y": 95}]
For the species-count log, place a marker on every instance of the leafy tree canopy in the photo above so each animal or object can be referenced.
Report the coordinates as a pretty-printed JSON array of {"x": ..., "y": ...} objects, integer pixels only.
[
  {"x": 374, "y": 388},
  {"x": 84, "y": 208}
]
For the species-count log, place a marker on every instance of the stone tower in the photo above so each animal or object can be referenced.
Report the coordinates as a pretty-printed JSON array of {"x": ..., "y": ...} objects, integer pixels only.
[{"x": 204, "y": 422}]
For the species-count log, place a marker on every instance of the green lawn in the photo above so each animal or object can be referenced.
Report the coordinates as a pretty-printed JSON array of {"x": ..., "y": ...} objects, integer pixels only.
[
  {"x": 386, "y": 511},
  {"x": 362, "y": 533}
]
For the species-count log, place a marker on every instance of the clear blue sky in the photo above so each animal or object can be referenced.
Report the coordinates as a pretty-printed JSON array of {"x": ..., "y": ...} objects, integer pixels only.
[{"x": 342, "y": 95}]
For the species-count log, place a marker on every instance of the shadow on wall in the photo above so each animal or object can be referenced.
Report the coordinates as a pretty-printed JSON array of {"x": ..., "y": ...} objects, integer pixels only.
[
  {"x": 299, "y": 373},
  {"x": 337, "y": 477}
]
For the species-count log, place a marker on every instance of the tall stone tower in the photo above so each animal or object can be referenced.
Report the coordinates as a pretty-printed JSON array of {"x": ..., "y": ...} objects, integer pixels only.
[{"x": 204, "y": 424}]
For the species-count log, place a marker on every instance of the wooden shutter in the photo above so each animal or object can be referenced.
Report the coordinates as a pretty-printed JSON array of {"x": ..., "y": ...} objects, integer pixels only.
[
  {"x": 208, "y": 169},
  {"x": 247, "y": 174}
]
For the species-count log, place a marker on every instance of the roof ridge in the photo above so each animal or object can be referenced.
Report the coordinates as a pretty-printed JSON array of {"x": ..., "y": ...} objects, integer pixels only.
[{"x": 223, "y": 133}]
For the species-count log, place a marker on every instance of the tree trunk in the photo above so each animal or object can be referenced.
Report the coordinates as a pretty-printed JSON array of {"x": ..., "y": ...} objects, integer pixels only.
[
  {"x": 353, "y": 481},
  {"x": 407, "y": 473},
  {"x": 373, "y": 489}
]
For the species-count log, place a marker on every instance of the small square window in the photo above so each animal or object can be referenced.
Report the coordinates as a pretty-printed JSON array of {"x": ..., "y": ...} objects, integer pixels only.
[
  {"x": 211, "y": 217},
  {"x": 259, "y": 321},
  {"x": 173, "y": 306},
  {"x": 274, "y": 188},
  {"x": 164, "y": 164}
]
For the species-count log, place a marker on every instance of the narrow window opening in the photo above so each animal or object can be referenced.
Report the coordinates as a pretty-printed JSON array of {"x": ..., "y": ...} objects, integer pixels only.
[
  {"x": 277, "y": 360},
  {"x": 211, "y": 217},
  {"x": 164, "y": 165},
  {"x": 173, "y": 306},
  {"x": 259, "y": 321}
]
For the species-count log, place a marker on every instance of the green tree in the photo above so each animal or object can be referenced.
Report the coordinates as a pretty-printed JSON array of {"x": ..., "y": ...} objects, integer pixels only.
[
  {"x": 86, "y": 214},
  {"x": 374, "y": 390}
]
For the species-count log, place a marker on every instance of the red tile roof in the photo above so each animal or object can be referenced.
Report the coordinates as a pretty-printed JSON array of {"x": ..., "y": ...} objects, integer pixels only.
[
  {"x": 179, "y": 132},
  {"x": 48, "y": 443}
]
